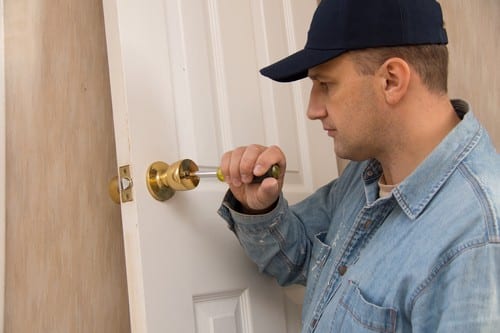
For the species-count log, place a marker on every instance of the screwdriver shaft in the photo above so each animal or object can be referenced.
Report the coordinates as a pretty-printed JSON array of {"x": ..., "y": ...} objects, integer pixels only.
[
  {"x": 274, "y": 172},
  {"x": 205, "y": 174}
]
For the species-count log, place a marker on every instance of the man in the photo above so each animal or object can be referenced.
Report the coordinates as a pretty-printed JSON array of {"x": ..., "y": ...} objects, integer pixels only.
[{"x": 408, "y": 238}]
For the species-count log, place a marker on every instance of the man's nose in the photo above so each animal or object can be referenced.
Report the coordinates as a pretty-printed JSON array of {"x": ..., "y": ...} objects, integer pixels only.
[{"x": 316, "y": 108}]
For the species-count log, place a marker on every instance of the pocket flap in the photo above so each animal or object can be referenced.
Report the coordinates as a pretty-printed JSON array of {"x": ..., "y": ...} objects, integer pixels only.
[{"x": 372, "y": 316}]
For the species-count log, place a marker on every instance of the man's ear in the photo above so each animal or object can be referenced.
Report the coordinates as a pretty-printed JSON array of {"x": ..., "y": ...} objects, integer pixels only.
[{"x": 395, "y": 74}]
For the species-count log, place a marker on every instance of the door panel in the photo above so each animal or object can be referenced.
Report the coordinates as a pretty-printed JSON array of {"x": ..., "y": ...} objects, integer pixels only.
[
  {"x": 216, "y": 48},
  {"x": 185, "y": 84}
]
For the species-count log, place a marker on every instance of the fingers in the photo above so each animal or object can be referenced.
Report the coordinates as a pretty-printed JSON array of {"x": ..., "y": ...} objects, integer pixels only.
[
  {"x": 268, "y": 191},
  {"x": 248, "y": 162},
  {"x": 242, "y": 164},
  {"x": 269, "y": 157},
  {"x": 239, "y": 166}
]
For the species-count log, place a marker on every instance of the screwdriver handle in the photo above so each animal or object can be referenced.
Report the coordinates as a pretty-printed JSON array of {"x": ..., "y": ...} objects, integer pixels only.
[{"x": 274, "y": 171}]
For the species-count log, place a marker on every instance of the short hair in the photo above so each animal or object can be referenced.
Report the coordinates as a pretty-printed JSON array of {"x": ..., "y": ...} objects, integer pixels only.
[{"x": 429, "y": 61}]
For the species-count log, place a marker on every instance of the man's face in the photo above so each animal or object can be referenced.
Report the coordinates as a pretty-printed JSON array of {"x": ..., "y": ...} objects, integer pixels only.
[{"x": 347, "y": 104}]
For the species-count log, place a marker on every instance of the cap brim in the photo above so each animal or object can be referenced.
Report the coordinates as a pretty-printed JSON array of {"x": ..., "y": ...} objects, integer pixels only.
[{"x": 295, "y": 66}]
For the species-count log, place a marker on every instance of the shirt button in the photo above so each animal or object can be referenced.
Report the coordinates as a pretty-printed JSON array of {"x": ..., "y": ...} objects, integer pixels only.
[
  {"x": 368, "y": 224},
  {"x": 342, "y": 270}
]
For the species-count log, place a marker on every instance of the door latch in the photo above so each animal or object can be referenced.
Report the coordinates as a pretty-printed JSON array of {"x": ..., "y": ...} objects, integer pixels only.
[{"x": 120, "y": 187}]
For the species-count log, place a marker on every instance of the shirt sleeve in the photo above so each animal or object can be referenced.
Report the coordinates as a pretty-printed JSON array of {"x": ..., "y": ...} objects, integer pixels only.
[
  {"x": 463, "y": 295},
  {"x": 279, "y": 242}
]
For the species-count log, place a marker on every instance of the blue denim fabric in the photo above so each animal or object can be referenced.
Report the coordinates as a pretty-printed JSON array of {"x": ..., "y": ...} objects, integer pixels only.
[{"x": 425, "y": 259}]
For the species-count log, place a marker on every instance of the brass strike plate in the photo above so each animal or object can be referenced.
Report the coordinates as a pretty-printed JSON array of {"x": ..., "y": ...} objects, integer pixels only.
[{"x": 126, "y": 184}]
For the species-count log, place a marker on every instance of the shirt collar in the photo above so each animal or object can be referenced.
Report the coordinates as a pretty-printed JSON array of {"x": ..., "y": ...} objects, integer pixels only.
[{"x": 410, "y": 194}]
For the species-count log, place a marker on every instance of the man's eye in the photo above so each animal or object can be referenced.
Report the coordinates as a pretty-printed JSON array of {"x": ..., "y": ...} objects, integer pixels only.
[{"x": 324, "y": 86}]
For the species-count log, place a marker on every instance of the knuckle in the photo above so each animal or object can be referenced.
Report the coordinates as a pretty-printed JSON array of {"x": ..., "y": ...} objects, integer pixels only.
[
  {"x": 276, "y": 148},
  {"x": 246, "y": 165},
  {"x": 255, "y": 147},
  {"x": 239, "y": 150},
  {"x": 226, "y": 156}
]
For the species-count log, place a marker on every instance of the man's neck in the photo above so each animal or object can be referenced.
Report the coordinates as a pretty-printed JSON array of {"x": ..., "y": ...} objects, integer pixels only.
[{"x": 422, "y": 129}]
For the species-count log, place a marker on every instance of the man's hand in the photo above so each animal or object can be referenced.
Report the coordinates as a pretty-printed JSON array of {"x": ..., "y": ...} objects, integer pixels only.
[{"x": 239, "y": 166}]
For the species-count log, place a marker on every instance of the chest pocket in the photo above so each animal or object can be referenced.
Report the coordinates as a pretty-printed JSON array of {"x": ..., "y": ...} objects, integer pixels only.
[
  {"x": 356, "y": 314},
  {"x": 319, "y": 255}
]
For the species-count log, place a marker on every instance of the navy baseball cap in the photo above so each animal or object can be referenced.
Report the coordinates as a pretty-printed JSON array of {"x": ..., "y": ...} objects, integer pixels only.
[{"x": 339, "y": 26}]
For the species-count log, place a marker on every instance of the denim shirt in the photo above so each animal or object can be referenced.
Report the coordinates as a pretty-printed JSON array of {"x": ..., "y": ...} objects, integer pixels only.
[{"x": 424, "y": 259}]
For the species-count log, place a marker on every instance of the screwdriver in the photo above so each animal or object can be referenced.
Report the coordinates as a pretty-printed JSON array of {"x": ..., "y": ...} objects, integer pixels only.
[{"x": 274, "y": 171}]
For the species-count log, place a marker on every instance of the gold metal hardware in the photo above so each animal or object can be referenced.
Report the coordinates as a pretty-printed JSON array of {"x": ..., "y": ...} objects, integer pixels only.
[
  {"x": 120, "y": 188},
  {"x": 126, "y": 184},
  {"x": 164, "y": 180},
  {"x": 114, "y": 191}
]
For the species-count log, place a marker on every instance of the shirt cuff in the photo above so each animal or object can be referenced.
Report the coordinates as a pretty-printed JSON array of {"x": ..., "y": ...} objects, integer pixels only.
[{"x": 230, "y": 211}]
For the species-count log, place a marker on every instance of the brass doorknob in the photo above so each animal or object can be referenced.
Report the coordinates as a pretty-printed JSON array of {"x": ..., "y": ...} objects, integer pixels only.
[
  {"x": 113, "y": 190},
  {"x": 164, "y": 180}
]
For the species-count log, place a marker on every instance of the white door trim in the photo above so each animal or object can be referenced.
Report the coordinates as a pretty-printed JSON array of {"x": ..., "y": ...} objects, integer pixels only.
[{"x": 2, "y": 167}]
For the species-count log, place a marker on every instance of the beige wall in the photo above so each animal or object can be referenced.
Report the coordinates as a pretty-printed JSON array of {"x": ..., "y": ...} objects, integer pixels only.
[
  {"x": 65, "y": 269},
  {"x": 474, "y": 43}
]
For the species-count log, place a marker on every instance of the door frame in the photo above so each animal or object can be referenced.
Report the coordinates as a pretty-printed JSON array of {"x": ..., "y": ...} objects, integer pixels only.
[{"x": 2, "y": 167}]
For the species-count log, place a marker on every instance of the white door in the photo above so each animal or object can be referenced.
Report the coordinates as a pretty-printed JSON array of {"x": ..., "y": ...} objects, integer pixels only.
[{"x": 185, "y": 84}]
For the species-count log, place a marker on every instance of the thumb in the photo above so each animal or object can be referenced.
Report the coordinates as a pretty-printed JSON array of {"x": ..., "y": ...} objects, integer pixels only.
[{"x": 268, "y": 192}]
